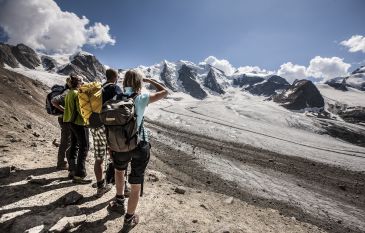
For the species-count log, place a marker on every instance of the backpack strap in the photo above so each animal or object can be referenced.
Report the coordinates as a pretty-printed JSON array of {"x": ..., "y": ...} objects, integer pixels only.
[{"x": 140, "y": 130}]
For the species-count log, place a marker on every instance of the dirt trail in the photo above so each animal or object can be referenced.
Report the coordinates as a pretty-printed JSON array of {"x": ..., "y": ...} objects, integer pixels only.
[{"x": 328, "y": 196}]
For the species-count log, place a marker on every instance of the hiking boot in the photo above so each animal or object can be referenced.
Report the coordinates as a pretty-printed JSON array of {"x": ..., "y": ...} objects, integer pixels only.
[
  {"x": 70, "y": 175},
  {"x": 101, "y": 191},
  {"x": 130, "y": 223},
  {"x": 82, "y": 180},
  {"x": 62, "y": 166},
  {"x": 116, "y": 207}
]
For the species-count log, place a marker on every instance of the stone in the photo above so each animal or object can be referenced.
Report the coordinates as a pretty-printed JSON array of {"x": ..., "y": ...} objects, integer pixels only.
[
  {"x": 35, "y": 134},
  {"x": 180, "y": 190},
  {"x": 153, "y": 178},
  {"x": 5, "y": 171},
  {"x": 15, "y": 118},
  {"x": 55, "y": 143},
  {"x": 67, "y": 223},
  {"x": 195, "y": 221},
  {"x": 203, "y": 206},
  {"x": 72, "y": 198},
  {"x": 36, "y": 229},
  {"x": 28, "y": 126},
  {"x": 40, "y": 181},
  {"x": 229, "y": 200}
]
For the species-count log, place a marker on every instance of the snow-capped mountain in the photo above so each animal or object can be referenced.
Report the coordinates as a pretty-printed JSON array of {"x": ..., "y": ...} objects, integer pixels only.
[
  {"x": 355, "y": 80},
  {"x": 22, "y": 56}
]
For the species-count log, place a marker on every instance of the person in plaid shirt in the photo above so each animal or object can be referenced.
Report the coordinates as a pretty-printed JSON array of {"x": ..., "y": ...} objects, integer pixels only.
[{"x": 110, "y": 89}]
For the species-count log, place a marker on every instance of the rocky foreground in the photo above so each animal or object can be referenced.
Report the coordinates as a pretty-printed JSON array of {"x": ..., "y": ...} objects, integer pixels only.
[{"x": 38, "y": 198}]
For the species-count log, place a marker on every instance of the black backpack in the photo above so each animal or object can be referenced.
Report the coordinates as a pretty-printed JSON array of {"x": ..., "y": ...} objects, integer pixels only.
[
  {"x": 120, "y": 121},
  {"x": 55, "y": 91}
]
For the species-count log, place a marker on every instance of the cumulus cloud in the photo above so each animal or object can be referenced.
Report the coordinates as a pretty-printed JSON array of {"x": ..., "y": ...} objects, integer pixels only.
[
  {"x": 327, "y": 68},
  {"x": 223, "y": 64},
  {"x": 321, "y": 68},
  {"x": 291, "y": 71},
  {"x": 42, "y": 25},
  {"x": 355, "y": 44},
  {"x": 253, "y": 69}
]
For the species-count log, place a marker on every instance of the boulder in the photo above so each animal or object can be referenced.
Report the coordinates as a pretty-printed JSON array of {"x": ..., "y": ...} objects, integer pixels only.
[
  {"x": 300, "y": 95},
  {"x": 71, "y": 198},
  {"x": 67, "y": 223},
  {"x": 5, "y": 171},
  {"x": 180, "y": 190}
]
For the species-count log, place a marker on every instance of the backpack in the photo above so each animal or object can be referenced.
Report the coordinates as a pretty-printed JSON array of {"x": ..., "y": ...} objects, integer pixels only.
[
  {"x": 120, "y": 121},
  {"x": 55, "y": 91},
  {"x": 94, "y": 119},
  {"x": 90, "y": 99}
]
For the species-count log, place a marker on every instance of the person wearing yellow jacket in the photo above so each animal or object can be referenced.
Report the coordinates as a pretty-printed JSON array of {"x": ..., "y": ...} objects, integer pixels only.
[{"x": 79, "y": 146}]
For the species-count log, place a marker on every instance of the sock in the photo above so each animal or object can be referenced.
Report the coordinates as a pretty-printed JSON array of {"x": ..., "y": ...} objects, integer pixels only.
[
  {"x": 100, "y": 184},
  {"x": 120, "y": 199},
  {"x": 128, "y": 216}
]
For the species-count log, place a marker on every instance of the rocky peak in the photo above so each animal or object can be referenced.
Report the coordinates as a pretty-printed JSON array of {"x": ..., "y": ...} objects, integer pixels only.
[
  {"x": 48, "y": 63},
  {"x": 301, "y": 94},
  {"x": 86, "y": 65},
  {"x": 187, "y": 76},
  {"x": 26, "y": 56},
  {"x": 244, "y": 80},
  {"x": 7, "y": 57},
  {"x": 360, "y": 70},
  {"x": 268, "y": 87},
  {"x": 166, "y": 76},
  {"x": 337, "y": 83},
  {"x": 211, "y": 82}
]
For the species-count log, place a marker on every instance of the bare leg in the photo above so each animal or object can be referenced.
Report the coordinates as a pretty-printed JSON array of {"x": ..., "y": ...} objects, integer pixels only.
[
  {"x": 119, "y": 182},
  {"x": 133, "y": 198},
  {"x": 98, "y": 169}
]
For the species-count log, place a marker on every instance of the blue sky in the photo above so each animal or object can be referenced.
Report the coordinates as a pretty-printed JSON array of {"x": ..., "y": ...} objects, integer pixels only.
[
  {"x": 266, "y": 33},
  {"x": 293, "y": 38}
]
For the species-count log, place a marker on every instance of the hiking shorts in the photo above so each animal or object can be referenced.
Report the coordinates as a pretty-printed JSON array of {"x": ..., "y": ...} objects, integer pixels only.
[
  {"x": 100, "y": 143},
  {"x": 139, "y": 159}
]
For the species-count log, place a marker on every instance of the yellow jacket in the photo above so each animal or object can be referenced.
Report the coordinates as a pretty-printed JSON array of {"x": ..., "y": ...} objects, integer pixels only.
[{"x": 90, "y": 99}]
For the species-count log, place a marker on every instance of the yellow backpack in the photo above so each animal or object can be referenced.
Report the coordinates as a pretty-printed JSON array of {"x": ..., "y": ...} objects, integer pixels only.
[{"x": 90, "y": 101}]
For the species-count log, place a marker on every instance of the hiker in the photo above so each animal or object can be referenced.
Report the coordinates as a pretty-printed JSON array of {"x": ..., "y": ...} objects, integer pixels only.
[
  {"x": 139, "y": 157},
  {"x": 109, "y": 90},
  {"x": 59, "y": 103},
  {"x": 79, "y": 133}
]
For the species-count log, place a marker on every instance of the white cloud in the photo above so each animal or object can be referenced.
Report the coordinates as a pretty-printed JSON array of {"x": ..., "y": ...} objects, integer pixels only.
[
  {"x": 355, "y": 44},
  {"x": 327, "y": 68},
  {"x": 321, "y": 68},
  {"x": 253, "y": 69},
  {"x": 223, "y": 64},
  {"x": 42, "y": 25},
  {"x": 290, "y": 71}
]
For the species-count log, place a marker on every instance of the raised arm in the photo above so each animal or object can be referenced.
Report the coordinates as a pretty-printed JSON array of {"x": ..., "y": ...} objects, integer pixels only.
[{"x": 161, "y": 92}]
